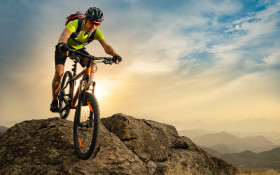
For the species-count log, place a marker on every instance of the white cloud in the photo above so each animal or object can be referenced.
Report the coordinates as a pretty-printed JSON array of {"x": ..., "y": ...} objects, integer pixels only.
[
  {"x": 249, "y": 38},
  {"x": 168, "y": 38},
  {"x": 272, "y": 59}
]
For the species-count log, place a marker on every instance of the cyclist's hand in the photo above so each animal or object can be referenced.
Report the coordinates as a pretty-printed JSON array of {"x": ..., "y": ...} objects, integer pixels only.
[
  {"x": 64, "y": 48},
  {"x": 116, "y": 59}
]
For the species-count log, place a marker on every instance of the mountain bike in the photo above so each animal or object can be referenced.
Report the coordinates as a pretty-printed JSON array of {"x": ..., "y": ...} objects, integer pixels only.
[{"x": 87, "y": 115}]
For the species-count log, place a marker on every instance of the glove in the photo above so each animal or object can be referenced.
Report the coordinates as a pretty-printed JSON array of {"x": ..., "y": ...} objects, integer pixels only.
[
  {"x": 116, "y": 57},
  {"x": 63, "y": 47}
]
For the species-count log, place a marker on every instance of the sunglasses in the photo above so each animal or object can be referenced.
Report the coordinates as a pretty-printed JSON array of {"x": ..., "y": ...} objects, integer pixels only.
[{"x": 94, "y": 23}]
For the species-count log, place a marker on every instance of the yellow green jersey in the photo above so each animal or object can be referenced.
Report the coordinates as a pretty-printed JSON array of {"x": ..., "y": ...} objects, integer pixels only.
[{"x": 82, "y": 39}]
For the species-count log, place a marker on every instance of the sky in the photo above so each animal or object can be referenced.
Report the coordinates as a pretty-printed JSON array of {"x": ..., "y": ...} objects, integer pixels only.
[{"x": 187, "y": 60}]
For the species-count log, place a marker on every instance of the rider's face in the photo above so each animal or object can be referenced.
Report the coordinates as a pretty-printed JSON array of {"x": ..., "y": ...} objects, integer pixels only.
[{"x": 91, "y": 25}]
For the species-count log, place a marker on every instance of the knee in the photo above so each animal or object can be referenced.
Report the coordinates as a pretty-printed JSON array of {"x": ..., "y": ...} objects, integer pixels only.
[{"x": 58, "y": 74}]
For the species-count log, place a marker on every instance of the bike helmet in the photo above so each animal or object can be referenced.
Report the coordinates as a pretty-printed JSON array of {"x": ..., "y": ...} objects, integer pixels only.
[{"x": 95, "y": 13}]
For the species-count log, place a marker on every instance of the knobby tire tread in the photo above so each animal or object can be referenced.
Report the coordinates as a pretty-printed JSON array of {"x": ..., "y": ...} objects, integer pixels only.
[{"x": 96, "y": 119}]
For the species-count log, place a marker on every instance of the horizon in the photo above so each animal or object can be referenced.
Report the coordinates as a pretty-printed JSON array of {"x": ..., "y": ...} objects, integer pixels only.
[
  {"x": 182, "y": 60},
  {"x": 211, "y": 126}
]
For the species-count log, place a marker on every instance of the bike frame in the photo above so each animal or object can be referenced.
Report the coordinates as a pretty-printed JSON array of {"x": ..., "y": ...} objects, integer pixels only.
[
  {"x": 86, "y": 79},
  {"x": 78, "y": 90},
  {"x": 86, "y": 72}
]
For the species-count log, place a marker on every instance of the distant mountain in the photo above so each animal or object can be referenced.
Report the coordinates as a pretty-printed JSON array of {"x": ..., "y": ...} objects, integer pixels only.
[
  {"x": 257, "y": 161},
  {"x": 250, "y": 125},
  {"x": 3, "y": 129},
  {"x": 224, "y": 148},
  {"x": 228, "y": 143},
  {"x": 212, "y": 151},
  {"x": 194, "y": 133},
  {"x": 247, "y": 125},
  {"x": 273, "y": 136},
  {"x": 191, "y": 124}
]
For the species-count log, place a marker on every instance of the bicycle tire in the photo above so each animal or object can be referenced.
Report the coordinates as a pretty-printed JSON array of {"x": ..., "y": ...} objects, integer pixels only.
[
  {"x": 64, "y": 97},
  {"x": 86, "y": 126}
]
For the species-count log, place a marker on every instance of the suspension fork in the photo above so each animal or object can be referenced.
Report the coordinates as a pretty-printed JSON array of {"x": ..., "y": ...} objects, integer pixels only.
[
  {"x": 88, "y": 70},
  {"x": 88, "y": 74}
]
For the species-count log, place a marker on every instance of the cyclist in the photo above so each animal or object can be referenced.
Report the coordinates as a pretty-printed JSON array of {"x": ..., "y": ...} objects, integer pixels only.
[{"x": 93, "y": 18}]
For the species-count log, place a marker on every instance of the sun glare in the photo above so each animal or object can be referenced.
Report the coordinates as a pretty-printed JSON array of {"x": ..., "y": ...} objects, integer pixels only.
[{"x": 100, "y": 92}]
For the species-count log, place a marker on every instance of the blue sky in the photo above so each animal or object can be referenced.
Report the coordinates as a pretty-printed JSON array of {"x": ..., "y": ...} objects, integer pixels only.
[{"x": 208, "y": 60}]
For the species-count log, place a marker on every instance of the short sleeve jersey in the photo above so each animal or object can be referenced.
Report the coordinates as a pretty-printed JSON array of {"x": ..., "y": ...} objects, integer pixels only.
[{"x": 80, "y": 41}]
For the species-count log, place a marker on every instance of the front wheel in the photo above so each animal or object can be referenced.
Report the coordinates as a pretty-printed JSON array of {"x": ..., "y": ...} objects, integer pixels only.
[{"x": 86, "y": 125}]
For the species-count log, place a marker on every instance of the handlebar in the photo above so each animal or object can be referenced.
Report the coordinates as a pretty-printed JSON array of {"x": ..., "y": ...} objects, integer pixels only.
[{"x": 106, "y": 60}]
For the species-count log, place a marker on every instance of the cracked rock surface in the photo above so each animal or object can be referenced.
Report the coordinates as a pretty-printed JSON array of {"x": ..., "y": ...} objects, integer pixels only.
[{"x": 126, "y": 145}]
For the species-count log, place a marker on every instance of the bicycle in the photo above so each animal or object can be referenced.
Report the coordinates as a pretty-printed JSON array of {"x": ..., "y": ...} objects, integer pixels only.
[{"x": 87, "y": 114}]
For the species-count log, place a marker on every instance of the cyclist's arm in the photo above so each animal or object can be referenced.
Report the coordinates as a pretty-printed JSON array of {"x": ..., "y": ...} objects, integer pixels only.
[
  {"x": 66, "y": 33},
  {"x": 107, "y": 48}
]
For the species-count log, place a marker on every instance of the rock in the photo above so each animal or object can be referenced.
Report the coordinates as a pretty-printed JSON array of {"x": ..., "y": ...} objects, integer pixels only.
[
  {"x": 126, "y": 145},
  {"x": 148, "y": 139},
  {"x": 46, "y": 147},
  {"x": 160, "y": 143}
]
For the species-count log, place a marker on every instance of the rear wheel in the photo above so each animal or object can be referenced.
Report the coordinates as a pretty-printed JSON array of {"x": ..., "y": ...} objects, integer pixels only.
[
  {"x": 86, "y": 125},
  {"x": 64, "y": 97}
]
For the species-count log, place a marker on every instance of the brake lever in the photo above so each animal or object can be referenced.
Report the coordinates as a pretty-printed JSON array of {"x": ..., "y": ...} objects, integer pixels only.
[{"x": 108, "y": 61}]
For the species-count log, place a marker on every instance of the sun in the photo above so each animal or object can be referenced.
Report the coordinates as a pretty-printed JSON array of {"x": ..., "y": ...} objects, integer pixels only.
[{"x": 100, "y": 92}]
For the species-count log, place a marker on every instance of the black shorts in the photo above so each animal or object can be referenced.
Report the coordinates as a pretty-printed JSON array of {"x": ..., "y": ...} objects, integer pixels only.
[{"x": 60, "y": 58}]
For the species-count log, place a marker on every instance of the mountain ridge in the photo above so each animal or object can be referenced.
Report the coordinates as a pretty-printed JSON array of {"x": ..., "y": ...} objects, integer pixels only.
[
  {"x": 256, "y": 125},
  {"x": 225, "y": 142},
  {"x": 258, "y": 161}
]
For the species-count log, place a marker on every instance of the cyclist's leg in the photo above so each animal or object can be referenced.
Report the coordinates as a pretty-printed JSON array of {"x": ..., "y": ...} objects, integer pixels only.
[
  {"x": 84, "y": 62},
  {"x": 59, "y": 70},
  {"x": 60, "y": 59}
]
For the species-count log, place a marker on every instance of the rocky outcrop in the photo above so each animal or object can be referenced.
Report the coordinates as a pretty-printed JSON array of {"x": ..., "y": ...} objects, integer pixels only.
[{"x": 126, "y": 146}]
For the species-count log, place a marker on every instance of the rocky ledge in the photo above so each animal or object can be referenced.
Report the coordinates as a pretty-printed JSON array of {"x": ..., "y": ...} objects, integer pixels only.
[{"x": 126, "y": 145}]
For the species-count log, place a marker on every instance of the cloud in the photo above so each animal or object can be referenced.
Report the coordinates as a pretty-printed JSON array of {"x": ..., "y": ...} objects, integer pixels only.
[
  {"x": 162, "y": 37},
  {"x": 273, "y": 59},
  {"x": 179, "y": 57},
  {"x": 250, "y": 39}
]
